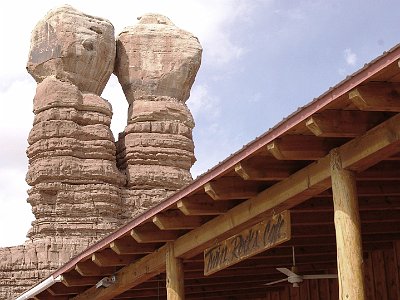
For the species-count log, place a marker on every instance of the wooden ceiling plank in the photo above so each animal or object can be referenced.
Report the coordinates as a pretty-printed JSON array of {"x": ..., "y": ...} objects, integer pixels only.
[
  {"x": 203, "y": 208},
  {"x": 166, "y": 221},
  {"x": 385, "y": 170},
  {"x": 376, "y": 97},
  {"x": 367, "y": 203},
  {"x": 108, "y": 258}
]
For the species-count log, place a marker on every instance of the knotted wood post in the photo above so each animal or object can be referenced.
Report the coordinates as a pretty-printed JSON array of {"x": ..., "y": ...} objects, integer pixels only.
[
  {"x": 348, "y": 231},
  {"x": 174, "y": 275}
]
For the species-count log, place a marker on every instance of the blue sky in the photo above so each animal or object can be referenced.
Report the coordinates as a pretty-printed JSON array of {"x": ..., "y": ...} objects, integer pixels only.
[{"x": 262, "y": 59}]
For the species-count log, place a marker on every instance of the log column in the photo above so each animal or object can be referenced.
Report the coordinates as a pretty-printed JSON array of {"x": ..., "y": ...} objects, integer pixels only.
[
  {"x": 174, "y": 275},
  {"x": 348, "y": 231}
]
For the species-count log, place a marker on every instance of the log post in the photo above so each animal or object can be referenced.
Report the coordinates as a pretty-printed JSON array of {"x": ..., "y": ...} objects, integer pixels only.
[
  {"x": 174, "y": 275},
  {"x": 348, "y": 231}
]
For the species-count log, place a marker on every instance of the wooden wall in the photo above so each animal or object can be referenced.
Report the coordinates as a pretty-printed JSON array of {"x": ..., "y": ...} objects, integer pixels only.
[
  {"x": 382, "y": 273},
  {"x": 382, "y": 278}
]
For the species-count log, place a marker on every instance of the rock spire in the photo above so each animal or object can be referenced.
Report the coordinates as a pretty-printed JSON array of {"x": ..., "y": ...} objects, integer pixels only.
[
  {"x": 156, "y": 66},
  {"x": 83, "y": 184}
]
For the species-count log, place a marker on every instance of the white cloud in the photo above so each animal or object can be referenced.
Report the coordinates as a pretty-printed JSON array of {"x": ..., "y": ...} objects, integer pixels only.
[
  {"x": 202, "y": 104},
  {"x": 350, "y": 57},
  {"x": 15, "y": 213}
]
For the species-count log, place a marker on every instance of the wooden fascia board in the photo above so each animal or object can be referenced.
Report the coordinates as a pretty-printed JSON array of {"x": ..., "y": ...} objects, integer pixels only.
[{"x": 361, "y": 152}]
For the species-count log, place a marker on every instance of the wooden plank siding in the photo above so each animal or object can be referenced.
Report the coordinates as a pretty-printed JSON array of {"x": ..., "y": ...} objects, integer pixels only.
[{"x": 381, "y": 279}]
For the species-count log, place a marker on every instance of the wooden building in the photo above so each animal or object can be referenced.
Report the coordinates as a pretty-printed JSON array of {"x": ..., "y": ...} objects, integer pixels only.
[{"x": 325, "y": 182}]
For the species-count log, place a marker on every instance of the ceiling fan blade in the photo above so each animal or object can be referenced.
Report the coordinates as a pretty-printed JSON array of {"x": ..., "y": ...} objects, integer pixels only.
[
  {"x": 276, "y": 281},
  {"x": 286, "y": 271},
  {"x": 320, "y": 276}
]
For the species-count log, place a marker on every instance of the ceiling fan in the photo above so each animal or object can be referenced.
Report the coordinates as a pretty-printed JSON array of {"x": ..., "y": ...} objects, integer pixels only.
[{"x": 294, "y": 278}]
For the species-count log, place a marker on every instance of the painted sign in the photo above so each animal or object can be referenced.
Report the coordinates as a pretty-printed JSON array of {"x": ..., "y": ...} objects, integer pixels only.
[{"x": 260, "y": 237}]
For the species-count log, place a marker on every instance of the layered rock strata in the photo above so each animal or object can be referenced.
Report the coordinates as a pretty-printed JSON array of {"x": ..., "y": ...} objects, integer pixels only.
[
  {"x": 75, "y": 184},
  {"x": 82, "y": 185},
  {"x": 74, "y": 47},
  {"x": 72, "y": 169},
  {"x": 156, "y": 66}
]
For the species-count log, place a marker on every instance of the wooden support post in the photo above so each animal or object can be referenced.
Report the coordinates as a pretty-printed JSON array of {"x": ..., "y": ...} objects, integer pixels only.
[
  {"x": 348, "y": 231},
  {"x": 174, "y": 275}
]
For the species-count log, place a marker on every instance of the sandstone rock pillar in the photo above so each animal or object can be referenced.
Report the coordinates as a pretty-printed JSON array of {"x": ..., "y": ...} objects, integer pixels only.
[
  {"x": 72, "y": 169},
  {"x": 156, "y": 65},
  {"x": 75, "y": 184}
]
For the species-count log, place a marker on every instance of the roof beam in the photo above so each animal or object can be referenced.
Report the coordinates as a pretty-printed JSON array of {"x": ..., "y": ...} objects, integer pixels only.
[
  {"x": 342, "y": 123},
  {"x": 129, "y": 276},
  {"x": 265, "y": 170},
  {"x": 108, "y": 258},
  {"x": 230, "y": 188},
  {"x": 74, "y": 279},
  {"x": 89, "y": 268},
  {"x": 377, "y": 97},
  {"x": 301, "y": 147},
  {"x": 127, "y": 245},
  {"x": 59, "y": 289},
  {"x": 177, "y": 221},
  {"x": 203, "y": 207},
  {"x": 149, "y": 233}
]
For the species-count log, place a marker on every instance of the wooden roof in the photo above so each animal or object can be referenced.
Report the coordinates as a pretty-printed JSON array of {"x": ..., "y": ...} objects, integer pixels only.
[{"x": 287, "y": 168}]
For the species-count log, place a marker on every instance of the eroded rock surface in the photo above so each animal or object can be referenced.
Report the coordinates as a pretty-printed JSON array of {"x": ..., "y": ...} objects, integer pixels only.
[
  {"x": 156, "y": 66},
  {"x": 75, "y": 184},
  {"x": 73, "y": 46},
  {"x": 72, "y": 165},
  {"x": 83, "y": 185}
]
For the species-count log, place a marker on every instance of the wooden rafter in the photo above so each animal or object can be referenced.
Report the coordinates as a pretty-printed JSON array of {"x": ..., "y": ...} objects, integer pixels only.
[
  {"x": 108, "y": 258},
  {"x": 229, "y": 188},
  {"x": 176, "y": 221},
  {"x": 127, "y": 245},
  {"x": 377, "y": 97},
  {"x": 301, "y": 147},
  {"x": 340, "y": 123},
  {"x": 74, "y": 279},
  {"x": 265, "y": 169},
  {"x": 203, "y": 207},
  {"x": 149, "y": 233},
  {"x": 89, "y": 268}
]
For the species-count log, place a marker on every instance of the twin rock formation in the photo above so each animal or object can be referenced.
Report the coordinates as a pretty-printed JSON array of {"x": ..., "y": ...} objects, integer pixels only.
[{"x": 83, "y": 184}]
